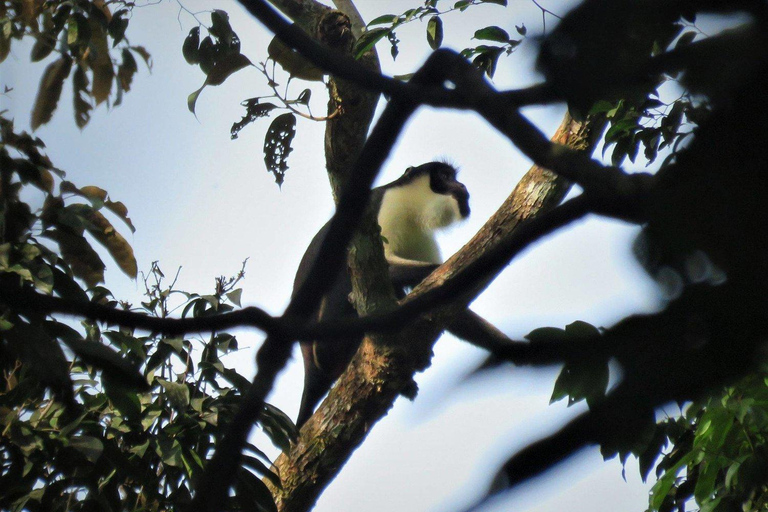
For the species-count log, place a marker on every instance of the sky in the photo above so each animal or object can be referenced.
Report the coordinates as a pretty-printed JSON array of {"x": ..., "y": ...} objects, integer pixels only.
[{"x": 205, "y": 203}]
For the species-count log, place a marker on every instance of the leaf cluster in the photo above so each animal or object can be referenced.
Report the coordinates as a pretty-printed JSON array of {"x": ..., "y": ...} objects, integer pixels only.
[
  {"x": 718, "y": 456},
  {"x": 93, "y": 416},
  {"x": 85, "y": 35},
  {"x": 485, "y": 56},
  {"x": 217, "y": 54}
]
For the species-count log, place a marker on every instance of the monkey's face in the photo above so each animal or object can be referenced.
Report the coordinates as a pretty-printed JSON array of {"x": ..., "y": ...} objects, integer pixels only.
[{"x": 442, "y": 180}]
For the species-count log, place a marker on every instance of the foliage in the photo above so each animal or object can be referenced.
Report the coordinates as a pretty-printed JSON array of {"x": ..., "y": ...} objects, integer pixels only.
[
  {"x": 483, "y": 56},
  {"x": 94, "y": 416},
  {"x": 87, "y": 35},
  {"x": 218, "y": 54}
]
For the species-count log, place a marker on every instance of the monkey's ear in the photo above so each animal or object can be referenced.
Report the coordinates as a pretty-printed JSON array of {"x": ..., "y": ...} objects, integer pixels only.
[{"x": 408, "y": 171}]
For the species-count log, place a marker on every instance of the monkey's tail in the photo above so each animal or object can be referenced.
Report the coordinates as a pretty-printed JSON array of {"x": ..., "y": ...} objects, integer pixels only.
[{"x": 315, "y": 387}]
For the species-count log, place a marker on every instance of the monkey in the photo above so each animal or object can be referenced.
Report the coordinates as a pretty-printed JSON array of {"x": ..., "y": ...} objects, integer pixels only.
[{"x": 409, "y": 211}]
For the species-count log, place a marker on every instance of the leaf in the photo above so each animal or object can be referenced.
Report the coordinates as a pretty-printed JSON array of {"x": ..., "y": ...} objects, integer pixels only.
[
  {"x": 521, "y": 29},
  {"x": 117, "y": 26},
  {"x": 79, "y": 255},
  {"x": 685, "y": 39},
  {"x": 106, "y": 359},
  {"x": 120, "y": 250},
  {"x": 303, "y": 98},
  {"x": 43, "y": 357},
  {"x": 89, "y": 446},
  {"x": 220, "y": 27},
  {"x": 497, "y": 2},
  {"x": 177, "y": 393},
  {"x": 43, "y": 46},
  {"x": 225, "y": 67},
  {"x": 368, "y": 40},
  {"x": 487, "y": 59},
  {"x": 492, "y": 33},
  {"x": 435, "y": 32},
  {"x": 262, "y": 469},
  {"x": 254, "y": 110},
  {"x": 234, "y": 296},
  {"x": 292, "y": 62},
  {"x": 170, "y": 451},
  {"x": 277, "y": 145},
  {"x": 119, "y": 209},
  {"x": 78, "y": 31},
  {"x": 100, "y": 63},
  {"x": 384, "y": 19},
  {"x": 49, "y": 92},
  {"x": 144, "y": 55},
  {"x": 5, "y": 45},
  {"x": 81, "y": 96},
  {"x": 126, "y": 70},
  {"x": 95, "y": 194},
  {"x": 191, "y": 47},
  {"x": 192, "y": 99},
  {"x": 278, "y": 426},
  {"x": 252, "y": 494}
]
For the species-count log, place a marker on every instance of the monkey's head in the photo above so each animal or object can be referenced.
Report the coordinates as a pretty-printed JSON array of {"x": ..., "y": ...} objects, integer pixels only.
[{"x": 442, "y": 182}]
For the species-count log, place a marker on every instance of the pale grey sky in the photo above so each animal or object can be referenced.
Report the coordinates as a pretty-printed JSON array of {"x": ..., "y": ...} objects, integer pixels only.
[{"x": 204, "y": 202}]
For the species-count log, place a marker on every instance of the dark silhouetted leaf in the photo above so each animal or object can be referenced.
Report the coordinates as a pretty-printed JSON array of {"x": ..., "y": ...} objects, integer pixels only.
[
  {"x": 50, "y": 91},
  {"x": 79, "y": 255},
  {"x": 90, "y": 447},
  {"x": 492, "y": 33},
  {"x": 293, "y": 63},
  {"x": 220, "y": 27},
  {"x": 277, "y": 145},
  {"x": 223, "y": 68},
  {"x": 117, "y": 26},
  {"x": 43, "y": 46},
  {"x": 191, "y": 47},
  {"x": 252, "y": 494},
  {"x": 81, "y": 97}
]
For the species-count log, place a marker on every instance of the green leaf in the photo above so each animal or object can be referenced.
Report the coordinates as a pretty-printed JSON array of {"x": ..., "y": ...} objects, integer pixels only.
[
  {"x": 177, "y": 393},
  {"x": 663, "y": 485},
  {"x": 176, "y": 343},
  {"x": 101, "y": 356},
  {"x": 192, "y": 99},
  {"x": 368, "y": 40},
  {"x": 492, "y": 33},
  {"x": 384, "y": 19},
  {"x": 497, "y": 2},
  {"x": 435, "y": 32},
  {"x": 170, "y": 451},
  {"x": 89, "y": 446}
]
